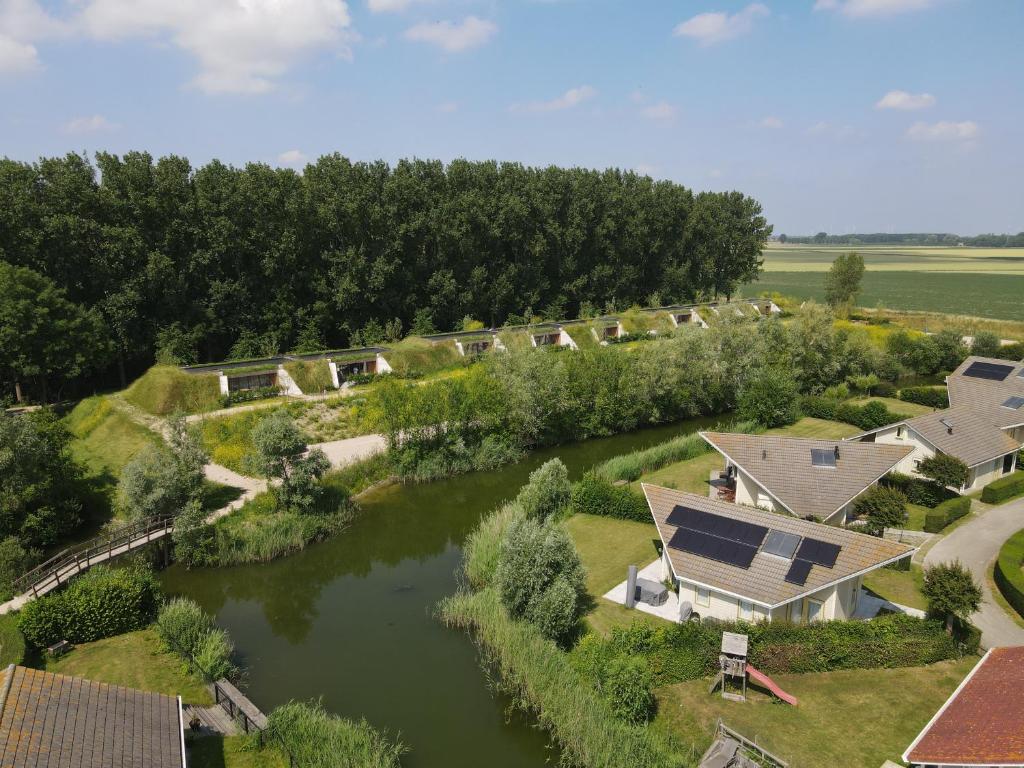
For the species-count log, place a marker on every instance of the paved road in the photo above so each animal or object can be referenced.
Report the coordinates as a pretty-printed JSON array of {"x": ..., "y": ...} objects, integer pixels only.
[{"x": 976, "y": 545}]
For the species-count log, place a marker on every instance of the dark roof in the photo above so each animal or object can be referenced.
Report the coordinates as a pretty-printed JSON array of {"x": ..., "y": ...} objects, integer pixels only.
[
  {"x": 784, "y": 467},
  {"x": 982, "y": 723},
  {"x": 764, "y": 582},
  {"x": 56, "y": 721}
]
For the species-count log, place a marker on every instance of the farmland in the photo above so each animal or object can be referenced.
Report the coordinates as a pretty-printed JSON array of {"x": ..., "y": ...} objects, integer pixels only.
[{"x": 815, "y": 258}]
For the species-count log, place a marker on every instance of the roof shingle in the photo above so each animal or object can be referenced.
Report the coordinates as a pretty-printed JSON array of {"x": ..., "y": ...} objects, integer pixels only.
[{"x": 972, "y": 438}]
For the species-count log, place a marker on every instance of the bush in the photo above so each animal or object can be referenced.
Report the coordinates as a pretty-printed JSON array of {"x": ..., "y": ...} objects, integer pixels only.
[
  {"x": 314, "y": 738},
  {"x": 249, "y": 396},
  {"x": 951, "y": 591},
  {"x": 592, "y": 495},
  {"x": 945, "y": 470},
  {"x": 1004, "y": 488},
  {"x": 919, "y": 491},
  {"x": 769, "y": 397},
  {"x": 547, "y": 492},
  {"x": 884, "y": 507},
  {"x": 986, "y": 344},
  {"x": 945, "y": 513},
  {"x": 871, "y": 415},
  {"x": 1009, "y": 577},
  {"x": 187, "y": 630},
  {"x": 932, "y": 397},
  {"x": 101, "y": 603},
  {"x": 482, "y": 549},
  {"x": 884, "y": 389},
  {"x": 628, "y": 683},
  {"x": 212, "y": 656}
]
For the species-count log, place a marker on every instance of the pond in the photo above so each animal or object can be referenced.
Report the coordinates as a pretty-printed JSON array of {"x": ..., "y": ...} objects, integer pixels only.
[{"x": 351, "y": 621}]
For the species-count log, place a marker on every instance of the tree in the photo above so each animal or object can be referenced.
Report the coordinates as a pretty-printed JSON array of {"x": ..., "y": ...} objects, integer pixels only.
[
  {"x": 986, "y": 344},
  {"x": 162, "y": 480},
  {"x": 944, "y": 470},
  {"x": 884, "y": 508},
  {"x": 951, "y": 348},
  {"x": 280, "y": 453},
  {"x": 548, "y": 491},
  {"x": 951, "y": 591},
  {"x": 769, "y": 397},
  {"x": 44, "y": 336},
  {"x": 842, "y": 281},
  {"x": 193, "y": 537},
  {"x": 729, "y": 234}
]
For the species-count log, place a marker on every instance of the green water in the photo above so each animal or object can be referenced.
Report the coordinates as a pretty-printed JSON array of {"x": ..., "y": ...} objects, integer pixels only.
[{"x": 351, "y": 620}]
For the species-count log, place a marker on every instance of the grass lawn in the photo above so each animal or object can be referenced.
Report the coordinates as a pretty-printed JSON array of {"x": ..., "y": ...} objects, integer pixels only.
[
  {"x": 821, "y": 429},
  {"x": 134, "y": 660},
  {"x": 233, "y": 752},
  {"x": 853, "y": 718},
  {"x": 105, "y": 438},
  {"x": 915, "y": 517},
  {"x": 896, "y": 406},
  {"x": 903, "y": 587}
]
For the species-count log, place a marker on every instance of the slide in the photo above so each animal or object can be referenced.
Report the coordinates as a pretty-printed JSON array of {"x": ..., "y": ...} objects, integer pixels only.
[{"x": 756, "y": 676}]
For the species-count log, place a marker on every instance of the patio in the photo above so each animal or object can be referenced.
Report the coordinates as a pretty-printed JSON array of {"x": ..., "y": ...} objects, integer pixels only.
[{"x": 668, "y": 611}]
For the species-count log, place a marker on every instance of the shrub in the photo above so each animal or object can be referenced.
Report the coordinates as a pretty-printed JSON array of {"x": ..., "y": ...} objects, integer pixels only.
[
  {"x": 871, "y": 415},
  {"x": 986, "y": 344},
  {"x": 933, "y": 397},
  {"x": 884, "y": 507},
  {"x": 249, "y": 396},
  {"x": 951, "y": 591},
  {"x": 193, "y": 537},
  {"x": 1008, "y": 575},
  {"x": 818, "y": 407},
  {"x": 945, "y": 513},
  {"x": 919, "y": 491},
  {"x": 1004, "y": 488},
  {"x": 769, "y": 397},
  {"x": 280, "y": 453},
  {"x": 212, "y": 656},
  {"x": 482, "y": 549},
  {"x": 314, "y": 738},
  {"x": 547, "y": 492},
  {"x": 628, "y": 683},
  {"x": 594, "y": 496},
  {"x": 182, "y": 624},
  {"x": 945, "y": 470},
  {"x": 884, "y": 389},
  {"x": 101, "y": 603}
]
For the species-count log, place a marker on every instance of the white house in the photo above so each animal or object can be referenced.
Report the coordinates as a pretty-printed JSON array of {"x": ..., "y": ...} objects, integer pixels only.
[
  {"x": 551, "y": 336},
  {"x": 804, "y": 477},
  {"x": 734, "y": 562}
]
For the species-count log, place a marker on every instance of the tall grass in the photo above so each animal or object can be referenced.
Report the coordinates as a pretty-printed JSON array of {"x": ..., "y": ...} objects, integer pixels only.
[
  {"x": 314, "y": 738},
  {"x": 187, "y": 630},
  {"x": 311, "y": 376},
  {"x": 416, "y": 357},
  {"x": 12, "y": 642},
  {"x": 541, "y": 679},
  {"x": 164, "y": 389}
]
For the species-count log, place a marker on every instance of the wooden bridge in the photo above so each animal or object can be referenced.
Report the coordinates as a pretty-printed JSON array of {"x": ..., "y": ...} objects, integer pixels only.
[{"x": 63, "y": 566}]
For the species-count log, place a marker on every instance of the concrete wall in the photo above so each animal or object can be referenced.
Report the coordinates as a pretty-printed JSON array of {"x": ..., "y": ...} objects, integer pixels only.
[{"x": 287, "y": 383}]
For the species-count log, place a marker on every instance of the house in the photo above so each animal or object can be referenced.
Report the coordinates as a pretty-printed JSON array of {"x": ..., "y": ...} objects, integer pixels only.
[
  {"x": 358, "y": 362},
  {"x": 734, "y": 562},
  {"x": 60, "y": 722},
  {"x": 992, "y": 387},
  {"x": 551, "y": 335},
  {"x": 804, "y": 477},
  {"x": 962, "y": 431},
  {"x": 982, "y": 722},
  {"x": 685, "y": 316},
  {"x": 606, "y": 328}
]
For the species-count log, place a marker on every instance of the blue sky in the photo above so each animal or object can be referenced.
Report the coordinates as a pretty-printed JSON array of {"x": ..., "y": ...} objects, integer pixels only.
[{"x": 838, "y": 115}]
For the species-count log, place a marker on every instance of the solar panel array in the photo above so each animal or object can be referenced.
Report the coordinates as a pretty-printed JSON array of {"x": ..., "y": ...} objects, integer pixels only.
[
  {"x": 798, "y": 572},
  {"x": 715, "y": 537},
  {"x": 1014, "y": 402},
  {"x": 713, "y": 548},
  {"x": 822, "y": 457},
  {"x": 818, "y": 552},
  {"x": 989, "y": 371}
]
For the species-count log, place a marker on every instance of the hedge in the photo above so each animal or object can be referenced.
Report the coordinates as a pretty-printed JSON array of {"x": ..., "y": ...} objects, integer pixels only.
[
  {"x": 595, "y": 496},
  {"x": 932, "y": 397},
  {"x": 1004, "y": 488},
  {"x": 688, "y": 651},
  {"x": 871, "y": 415},
  {"x": 102, "y": 603},
  {"x": 919, "y": 491},
  {"x": 945, "y": 513},
  {"x": 1008, "y": 575}
]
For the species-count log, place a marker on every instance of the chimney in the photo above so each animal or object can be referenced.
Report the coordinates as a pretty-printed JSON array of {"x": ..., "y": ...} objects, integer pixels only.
[
  {"x": 764, "y": 454},
  {"x": 837, "y": 453}
]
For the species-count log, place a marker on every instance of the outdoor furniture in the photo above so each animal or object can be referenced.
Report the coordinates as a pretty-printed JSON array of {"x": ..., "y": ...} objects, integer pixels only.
[
  {"x": 58, "y": 649},
  {"x": 651, "y": 592}
]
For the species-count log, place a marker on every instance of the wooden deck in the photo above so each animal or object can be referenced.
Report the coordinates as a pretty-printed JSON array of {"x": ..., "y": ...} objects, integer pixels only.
[{"x": 213, "y": 720}]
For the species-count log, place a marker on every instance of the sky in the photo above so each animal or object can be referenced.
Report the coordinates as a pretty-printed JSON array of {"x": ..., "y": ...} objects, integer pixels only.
[{"x": 837, "y": 115}]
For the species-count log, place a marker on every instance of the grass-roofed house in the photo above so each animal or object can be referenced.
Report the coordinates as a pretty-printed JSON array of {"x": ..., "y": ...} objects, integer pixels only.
[
  {"x": 804, "y": 477},
  {"x": 733, "y": 562}
]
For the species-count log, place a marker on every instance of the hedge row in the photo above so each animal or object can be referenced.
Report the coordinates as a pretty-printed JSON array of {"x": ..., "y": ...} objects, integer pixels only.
[
  {"x": 102, "y": 603},
  {"x": 932, "y": 397},
  {"x": 1008, "y": 575},
  {"x": 919, "y": 491},
  {"x": 1004, "y": 488},
  {"x": 593, "y": 495},
  {"x": 871, "y": 415},
  {"x": 946, "y": 513},
  {"x": 689, "y": 651}
]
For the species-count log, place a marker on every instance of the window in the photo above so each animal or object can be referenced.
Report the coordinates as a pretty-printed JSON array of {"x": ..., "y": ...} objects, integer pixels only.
[
  {"x": 746, "y": 610},
  {"x": 812, "y": 610},
  {"x": 796, "y": 611},
  {"x": 703, "y": 596},
  {"x": 901, "y": 433}
]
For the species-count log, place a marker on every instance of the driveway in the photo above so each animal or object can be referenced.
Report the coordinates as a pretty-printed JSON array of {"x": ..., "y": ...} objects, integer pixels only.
[{"x": 976, "y": 544}]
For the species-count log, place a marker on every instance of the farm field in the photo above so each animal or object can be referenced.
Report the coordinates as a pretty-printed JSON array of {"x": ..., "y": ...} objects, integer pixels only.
[{"x": 818, "y": 258}]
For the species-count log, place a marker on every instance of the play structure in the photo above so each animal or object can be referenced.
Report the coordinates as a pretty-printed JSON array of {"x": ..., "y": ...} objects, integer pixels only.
[{"x": 734, "y": 669}]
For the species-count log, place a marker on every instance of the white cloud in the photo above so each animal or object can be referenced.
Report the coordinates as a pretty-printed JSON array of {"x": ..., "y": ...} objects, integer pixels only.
[
  {"x": 771, "y": 122},
  {"x": 831, "y": 130},
  {"x": 660, "y": 111},
  {"x": 293, "y": 157},
  {"x": 242, "y": 46},
  {"x": 571, "y": 98},
  {"x": 944, "y": 131},
  {"x": 447, "y": 107},
  {"x": 454, "y": 37},
  {"x": 716, "y": 27},
  {"x": 904, "y": 100},
  {"x": 388, "y": 6},
  {"x": 859, "y": 9},
  {"x": 16, "y": 56},
  {"x": 90, "y": 124},
  {"x": 22, "y": 24}
]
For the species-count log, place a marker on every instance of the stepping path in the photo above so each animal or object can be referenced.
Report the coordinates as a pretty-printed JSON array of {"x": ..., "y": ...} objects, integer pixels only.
[{"x": 976, "y": 544}]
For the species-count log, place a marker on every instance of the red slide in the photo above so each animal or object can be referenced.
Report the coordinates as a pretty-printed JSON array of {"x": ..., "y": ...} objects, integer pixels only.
[{"x": 756, "y": 676}]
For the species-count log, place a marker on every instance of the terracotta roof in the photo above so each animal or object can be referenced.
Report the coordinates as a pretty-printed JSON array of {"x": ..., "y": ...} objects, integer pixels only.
[
  {"x": 55, "y": 721},
  {"x": 764, "y": 581},
  {"x": 982, "y": 723},
  {"x": 782, "y": 465},
  {"x": 988, "y": 396},
  {"x": 973, "y": 438}
]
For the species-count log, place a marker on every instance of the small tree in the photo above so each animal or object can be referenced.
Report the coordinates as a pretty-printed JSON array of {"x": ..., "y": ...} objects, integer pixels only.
[
  {"x": 548, "y": 491},
  {"x": 163, "y": 480},
  {"x": 884, "y": 508},
  {"x": 945, "y": 470},
  {"x": 280, "y": 453},
  {"x": 864, "y": 383},
  {"x": 193, "y": 537},
  {"x": 986, "y": 344},
  {"x": 842, "y": 281},
  {"x": 951, "y": 591},
  {"x": 769, "y": 396}
]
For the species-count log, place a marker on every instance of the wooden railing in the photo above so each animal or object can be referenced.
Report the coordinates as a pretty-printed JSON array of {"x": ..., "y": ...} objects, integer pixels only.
[
  {"x": 71, "y": 562},
  {"x": 240, "y": 708}
]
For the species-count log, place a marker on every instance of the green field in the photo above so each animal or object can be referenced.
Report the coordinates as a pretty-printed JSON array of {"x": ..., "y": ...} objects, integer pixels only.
[{"x": 880, "y": 258}]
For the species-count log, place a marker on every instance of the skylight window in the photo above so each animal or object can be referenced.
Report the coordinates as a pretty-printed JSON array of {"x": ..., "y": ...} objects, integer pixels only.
[
  {"x": 823, "y": 457},
  {"x": 1014, "y": 402}
]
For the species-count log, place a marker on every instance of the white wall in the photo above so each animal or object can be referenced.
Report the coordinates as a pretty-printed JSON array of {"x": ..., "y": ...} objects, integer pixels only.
[
  {"x": 748, "y": 492},
  {"x": 287, "y": 383},
  {"x": 908, "y": 464},
  {"x": 721, "y": 606}
]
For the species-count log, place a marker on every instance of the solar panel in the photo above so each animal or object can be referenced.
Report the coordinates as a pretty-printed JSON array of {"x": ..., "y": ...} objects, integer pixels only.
[
  {"x": 798, "y": 572},
  {"x": 819, "y": 552},
  {"x": 1014, "y": 402},
  {"x": 781, "y": 543},
  {"x": 989, "y": 371},
  {"x": 717, "y": 525},
  {"x": 822, "y": 457},
  {"x": 713, "y": 547}
]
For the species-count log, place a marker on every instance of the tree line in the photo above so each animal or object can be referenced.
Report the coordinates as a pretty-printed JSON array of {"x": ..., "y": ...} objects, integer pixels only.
[
  {"x": 909, "y": 238},
  {"x": 162, "y": 260}
]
